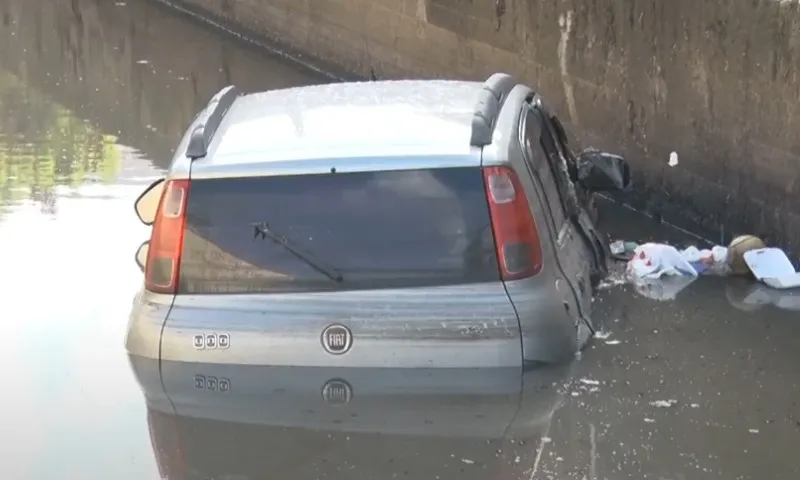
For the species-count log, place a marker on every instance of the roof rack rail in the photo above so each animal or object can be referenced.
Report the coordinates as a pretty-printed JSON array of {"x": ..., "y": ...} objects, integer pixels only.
[
  {"x": 490, "y": 99},
  {"x": 209, "y": 121}
]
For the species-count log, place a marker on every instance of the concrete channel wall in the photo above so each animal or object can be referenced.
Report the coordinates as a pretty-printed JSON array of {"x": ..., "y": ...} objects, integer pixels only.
[{"x": 715, "y": 81}]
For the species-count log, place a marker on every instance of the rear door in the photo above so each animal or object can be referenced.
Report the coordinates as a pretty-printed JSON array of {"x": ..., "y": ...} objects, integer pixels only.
[
  {"x": 389, "y": 269},
  {"x": 578, "y": 253},
  {"x": 541, "y": 156},
  {"x": 581, "y": 257}
]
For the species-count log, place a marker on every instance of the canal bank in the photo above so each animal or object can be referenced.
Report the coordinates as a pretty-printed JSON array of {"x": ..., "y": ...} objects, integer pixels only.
[{"x": 715, "y": 82}]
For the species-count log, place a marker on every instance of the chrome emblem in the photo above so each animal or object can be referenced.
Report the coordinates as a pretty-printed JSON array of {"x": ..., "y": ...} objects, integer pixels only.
[
  {"x": 336, "y": 339},
  {"x": 337, "y": 392},
  {"x": 211, "y": 341}
]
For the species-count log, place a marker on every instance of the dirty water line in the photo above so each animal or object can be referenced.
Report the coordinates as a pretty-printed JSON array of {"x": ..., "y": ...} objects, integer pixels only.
[{"x": 650, "y": 216}]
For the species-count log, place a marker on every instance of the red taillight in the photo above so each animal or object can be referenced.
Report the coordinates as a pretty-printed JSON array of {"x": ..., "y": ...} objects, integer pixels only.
[
  {"x": 166, "y": 242},
  {"x": 519, "y": 250}
]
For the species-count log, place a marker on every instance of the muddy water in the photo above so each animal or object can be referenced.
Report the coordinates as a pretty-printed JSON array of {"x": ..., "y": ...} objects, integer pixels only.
[{"x": 92, "y": 97}]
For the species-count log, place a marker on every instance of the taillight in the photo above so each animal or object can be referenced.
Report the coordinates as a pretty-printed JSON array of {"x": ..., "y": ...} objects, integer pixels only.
[
  {"x": 516, "y": 237},
  {"x": 166, "y": 242}
]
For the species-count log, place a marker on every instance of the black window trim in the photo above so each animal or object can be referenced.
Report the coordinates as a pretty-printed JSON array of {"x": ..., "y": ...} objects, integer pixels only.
[{"x": 554, "y": 158}]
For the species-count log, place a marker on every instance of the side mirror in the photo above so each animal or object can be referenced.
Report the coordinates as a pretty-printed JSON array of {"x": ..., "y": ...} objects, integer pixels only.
[
  {"x": 141, "y": 254},
  {"x": 147, "y": 203},
  {"x": 603, "y": 172}
]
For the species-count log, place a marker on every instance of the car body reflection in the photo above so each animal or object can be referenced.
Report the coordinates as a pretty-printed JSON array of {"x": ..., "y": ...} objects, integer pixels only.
[{"x": 225, "y": 422}]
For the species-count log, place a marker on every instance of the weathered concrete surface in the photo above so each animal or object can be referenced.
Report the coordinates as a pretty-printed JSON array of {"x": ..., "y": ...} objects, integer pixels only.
[{"x": 717, "y": 82}]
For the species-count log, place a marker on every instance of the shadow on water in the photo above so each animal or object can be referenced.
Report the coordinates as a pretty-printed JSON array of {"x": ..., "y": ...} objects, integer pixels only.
[{"x": 93, "y": 96}]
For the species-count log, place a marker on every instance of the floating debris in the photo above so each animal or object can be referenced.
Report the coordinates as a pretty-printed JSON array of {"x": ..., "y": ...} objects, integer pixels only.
[
  {"x": 602, "y": 335},
  {"x": 673, "y": 159},
  {"x": 611, "y": 282},
  {"x": 663, "y": 403}
]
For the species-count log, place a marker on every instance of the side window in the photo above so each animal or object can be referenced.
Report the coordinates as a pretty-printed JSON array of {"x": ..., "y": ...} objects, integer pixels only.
[
  {"x": 563, "y": 144},
  {"x": 536, "y": 151},
  {"x": 551, "y": 144}
]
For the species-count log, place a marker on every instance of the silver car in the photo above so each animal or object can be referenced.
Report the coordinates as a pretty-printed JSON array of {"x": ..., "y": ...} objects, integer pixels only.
[{"x": 414, "y": 224}]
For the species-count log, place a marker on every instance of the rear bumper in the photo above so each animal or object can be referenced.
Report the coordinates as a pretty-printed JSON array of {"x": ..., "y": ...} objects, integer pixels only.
[
  {"x": 145, "y": 323},
  {"x": 450, "y": 327}
]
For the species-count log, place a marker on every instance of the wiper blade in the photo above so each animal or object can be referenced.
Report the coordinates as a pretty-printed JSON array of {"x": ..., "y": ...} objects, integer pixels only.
[{"x": 264, "y": 231}]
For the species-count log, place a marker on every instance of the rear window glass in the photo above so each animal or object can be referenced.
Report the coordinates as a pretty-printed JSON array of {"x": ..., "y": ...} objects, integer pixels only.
[{"x": 340, "y": 231}]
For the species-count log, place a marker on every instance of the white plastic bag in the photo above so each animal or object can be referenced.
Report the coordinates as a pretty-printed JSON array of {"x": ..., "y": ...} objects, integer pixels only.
[
  {"x": 654, "y": 260},
  {"x": 716, "y": 255},
  {"x": 719, "y": 254}
]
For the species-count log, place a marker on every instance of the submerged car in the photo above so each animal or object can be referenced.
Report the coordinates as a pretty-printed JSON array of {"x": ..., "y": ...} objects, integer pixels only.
[{"x": 419, "y": 223}]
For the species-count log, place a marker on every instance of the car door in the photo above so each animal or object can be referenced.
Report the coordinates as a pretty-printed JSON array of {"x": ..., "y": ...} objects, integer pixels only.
[
  {"x": 538, "y": 151},
  {"x": 577, "y": 251}
]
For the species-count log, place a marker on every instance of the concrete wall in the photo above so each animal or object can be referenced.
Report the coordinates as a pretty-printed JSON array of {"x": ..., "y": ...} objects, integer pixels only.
[{"x": 716, "y": 81}]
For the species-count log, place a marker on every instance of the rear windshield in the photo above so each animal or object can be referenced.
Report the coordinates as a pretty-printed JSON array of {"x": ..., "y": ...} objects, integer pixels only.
[{"x": 341, "y": 231}]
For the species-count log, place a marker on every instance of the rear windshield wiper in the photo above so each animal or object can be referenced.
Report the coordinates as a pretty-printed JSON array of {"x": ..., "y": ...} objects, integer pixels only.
[{"x": 264, "y": 231}]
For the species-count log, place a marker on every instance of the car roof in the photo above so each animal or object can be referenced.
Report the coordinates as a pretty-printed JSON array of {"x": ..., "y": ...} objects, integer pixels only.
[{"x": 348, "y": 120}]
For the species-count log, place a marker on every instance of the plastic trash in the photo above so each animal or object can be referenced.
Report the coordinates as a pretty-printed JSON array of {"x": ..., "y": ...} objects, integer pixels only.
[
  {"x": 782, "y": 283},
  {"x": 654, "y": 260},
  {"x": 719, "y": 254},
  {"x": 773, "y": 267},
  {"x": 700, "y": 267},
  {"x": 619, "y": 247},
  {"x": 736, "y": 250}
]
